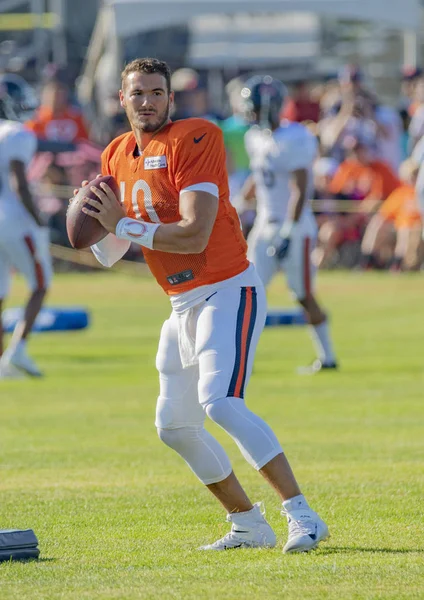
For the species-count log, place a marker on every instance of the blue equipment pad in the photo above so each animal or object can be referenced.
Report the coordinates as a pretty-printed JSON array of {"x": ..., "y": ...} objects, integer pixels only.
[
  {"x": 285, "y": 316},
  {"x": 49, "y": 319}
]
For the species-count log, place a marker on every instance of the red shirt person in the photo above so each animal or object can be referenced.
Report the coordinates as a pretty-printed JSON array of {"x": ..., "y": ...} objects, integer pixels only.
[
  {"x": 300, "y": 107},
  {"x": 56, "y": 120}
]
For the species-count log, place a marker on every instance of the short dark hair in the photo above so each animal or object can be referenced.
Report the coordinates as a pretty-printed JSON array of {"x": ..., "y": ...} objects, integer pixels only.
[{"x": 148, "y": 65}]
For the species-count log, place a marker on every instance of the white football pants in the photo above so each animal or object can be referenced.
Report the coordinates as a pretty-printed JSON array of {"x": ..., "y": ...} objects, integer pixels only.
[
  {"x": 223, "y": 333},
  {"x": 297, "y": 266}
]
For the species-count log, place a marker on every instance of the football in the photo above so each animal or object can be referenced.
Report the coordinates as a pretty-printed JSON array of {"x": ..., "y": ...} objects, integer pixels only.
[{"x": 84, "y": 230}]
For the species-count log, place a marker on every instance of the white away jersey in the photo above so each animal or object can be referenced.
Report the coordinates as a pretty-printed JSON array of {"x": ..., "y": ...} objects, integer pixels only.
[
  {"x": 16, "y": 143},
  {"x": 273, "y": 158}
]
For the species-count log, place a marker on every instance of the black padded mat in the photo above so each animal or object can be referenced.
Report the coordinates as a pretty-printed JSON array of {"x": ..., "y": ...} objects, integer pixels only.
[{"x": 18, "y": 544}]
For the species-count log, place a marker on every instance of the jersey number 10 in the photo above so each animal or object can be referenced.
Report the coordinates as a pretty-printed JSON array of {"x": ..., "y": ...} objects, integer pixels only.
[{"x": 141, "y": 186}]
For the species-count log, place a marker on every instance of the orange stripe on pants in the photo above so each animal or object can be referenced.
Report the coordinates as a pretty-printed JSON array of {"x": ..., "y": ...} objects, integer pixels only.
[{"x": 245, "y": 328}]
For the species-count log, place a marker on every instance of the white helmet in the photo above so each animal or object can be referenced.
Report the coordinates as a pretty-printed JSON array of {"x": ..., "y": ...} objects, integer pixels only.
[{"x": 18, "y": 99}]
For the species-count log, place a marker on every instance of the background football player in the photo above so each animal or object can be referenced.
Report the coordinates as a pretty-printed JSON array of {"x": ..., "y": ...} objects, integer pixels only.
[
  {"x": 285, "y": 231},
  {"x": 23, "y": 240}
]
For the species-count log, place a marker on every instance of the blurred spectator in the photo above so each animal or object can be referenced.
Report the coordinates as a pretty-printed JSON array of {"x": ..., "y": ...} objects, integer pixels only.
[
  {"x": 408, "y": 105},
  {"x": 418, "y": 152},
  {"x": 390, "y": 138},
  {"x": 52, "y": 206},
  {"x": 357, "y": 113},
  {"x": 300, "y": 106},
  {"x": 324, "y": 170},
  {"x": 393, "y": 235},
  {"x": 405, "y": 140},
  {"x": 410, "y": 76},
  {"x": 191, "y": 96},
  {"x": 57, "y": 120},
  {"x": 184, "y": 80},
  {"x": 416, "y": 127},
  {"x": 360, "y": 177},
  {"x": 234, "y": 129},
  {"x": 329, "y": 97},
  {"x": 418, "y": 158},
  {"x": 111, "y": 122},
  {"x": 352, "y": 117},
  {"x": 351, "y": 80}
]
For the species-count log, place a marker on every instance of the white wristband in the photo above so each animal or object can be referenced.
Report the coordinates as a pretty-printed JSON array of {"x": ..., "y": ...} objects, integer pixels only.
[{"x": 139, "y": 232}]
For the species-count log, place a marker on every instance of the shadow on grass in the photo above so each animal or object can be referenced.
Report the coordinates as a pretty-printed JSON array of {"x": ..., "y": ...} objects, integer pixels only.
[
  {"x": 343, "y": 549},
  {"x": 28, "y": 560},
  {"x": 47, "y": 560}
]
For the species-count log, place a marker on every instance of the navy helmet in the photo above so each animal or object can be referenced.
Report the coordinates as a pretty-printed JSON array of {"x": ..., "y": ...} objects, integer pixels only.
[{"x": 263, "y": 97}]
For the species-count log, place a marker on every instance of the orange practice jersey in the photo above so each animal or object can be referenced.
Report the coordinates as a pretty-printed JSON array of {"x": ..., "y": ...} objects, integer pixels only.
[
  {"x": 67, "y": 127},
  {"x": 182, "y": 154},
  {"x": 374, "y": 181},
  {"x": 401, "y": 207}
]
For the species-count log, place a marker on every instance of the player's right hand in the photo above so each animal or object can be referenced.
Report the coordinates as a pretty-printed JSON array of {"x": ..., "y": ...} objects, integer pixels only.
[{"x": 280, "y": 248}]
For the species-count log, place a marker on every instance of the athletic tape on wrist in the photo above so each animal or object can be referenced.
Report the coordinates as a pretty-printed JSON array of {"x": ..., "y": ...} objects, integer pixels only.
[{"x": 140, "y": 232}]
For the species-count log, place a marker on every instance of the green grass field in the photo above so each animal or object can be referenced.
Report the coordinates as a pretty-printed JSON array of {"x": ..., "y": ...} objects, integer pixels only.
[{"x": 118, "y": 515}]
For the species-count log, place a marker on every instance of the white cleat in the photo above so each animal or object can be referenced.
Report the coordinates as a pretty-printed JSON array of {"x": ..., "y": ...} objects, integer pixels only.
[
  {"x": 19, "y": 359},
  {"x": 249, "y": 530},
  {"x": 306, "y": 530}
]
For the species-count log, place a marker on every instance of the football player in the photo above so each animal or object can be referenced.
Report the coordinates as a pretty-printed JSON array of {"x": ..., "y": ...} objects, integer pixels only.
[
  {"x": 174, "y": 189},
  {"x": 23, "y": 241},
  {"x": 285, "y": 231}
]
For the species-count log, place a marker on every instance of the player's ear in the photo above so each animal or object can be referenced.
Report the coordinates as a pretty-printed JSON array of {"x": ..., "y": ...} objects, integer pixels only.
[
  {"x": 122, "y": 99},
  {"x": 171, "y": 101}
]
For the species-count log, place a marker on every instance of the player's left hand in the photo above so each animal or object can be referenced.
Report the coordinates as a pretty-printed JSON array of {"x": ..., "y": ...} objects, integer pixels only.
[
  {"x": 110, "y": 211},
  {"x": 83, "y": 184}
]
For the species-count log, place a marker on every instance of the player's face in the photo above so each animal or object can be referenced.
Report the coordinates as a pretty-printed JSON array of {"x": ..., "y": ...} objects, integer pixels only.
[{"x": 146, "y": 100}]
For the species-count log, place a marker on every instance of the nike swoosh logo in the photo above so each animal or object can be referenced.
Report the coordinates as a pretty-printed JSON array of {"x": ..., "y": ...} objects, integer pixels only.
[
  {"x": 232, "y": 547},
  {"x": 197, "y": 140},
  {"x": 313, "y": 536}
]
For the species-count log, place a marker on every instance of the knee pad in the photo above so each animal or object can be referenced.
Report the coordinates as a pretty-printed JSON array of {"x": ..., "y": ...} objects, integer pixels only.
[
  {"x": 203, "y": 454},
  {"x": 255, "y": 439},
  {"x": 175, "y": 438}
]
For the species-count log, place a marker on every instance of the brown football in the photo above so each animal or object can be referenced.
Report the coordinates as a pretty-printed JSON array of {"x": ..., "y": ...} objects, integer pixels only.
[{"x": 84, "y": 230}]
